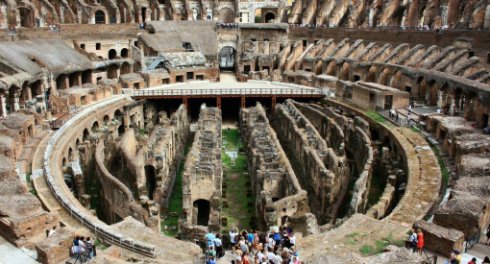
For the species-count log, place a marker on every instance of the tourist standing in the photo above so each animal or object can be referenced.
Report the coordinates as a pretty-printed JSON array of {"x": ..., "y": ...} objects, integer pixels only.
[
  {"x": 412, "y": 240},
  {"x": 420, "y": 241},
  {"x": 90, "y": 248},
  {"x": 219, "y": 246},
  {"x": 233, "y": 234}
]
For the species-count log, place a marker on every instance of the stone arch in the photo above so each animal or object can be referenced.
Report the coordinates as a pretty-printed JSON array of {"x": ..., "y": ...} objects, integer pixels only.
[
  {"x": 150, "y": 173},
  {"x": 27, "y": 16},
  {"x": 331, "y": 68},
  {"x": 202, "y": 208},
  {"x": 124, "y": 53},
  {"x": 13, "y": 96},
  {"x": 125, "y": 68},
  {"x": 25, "y": 94},
  {"x": 86, "y": 135},
  {"x": 345, "y": 71},
  {"x": 397, "y": 80},
  {"x": 87, "y": 76},
  {"x": 269, "y": 17},
  {"x": 112, "y": 72},
  {"x": 95, "y": 127},
  {"x": 226, "y": 58},
  {"x": 371, "y": 76},
  {"x": 62, "y": 82},
  {"x": 107, "y": 119},
  {"x": 226, "y": 15},
  {"x": 112, "y": 54},
  {"x": 70, "y": 154},
  {"x": 384, "y": 77},
  {"x": 100, "y": 17}
]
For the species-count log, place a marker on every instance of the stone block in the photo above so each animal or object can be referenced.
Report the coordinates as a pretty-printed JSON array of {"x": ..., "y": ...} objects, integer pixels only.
[{"x": 439, "y": 239}]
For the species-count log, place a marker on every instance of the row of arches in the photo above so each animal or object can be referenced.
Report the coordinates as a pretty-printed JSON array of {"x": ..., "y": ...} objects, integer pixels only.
[{"x": 112, "y": 54}]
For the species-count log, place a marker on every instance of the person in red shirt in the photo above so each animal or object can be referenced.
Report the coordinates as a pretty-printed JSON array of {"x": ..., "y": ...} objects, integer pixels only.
[
  {"x": 420, "y": 240},
  {"x": 473, "y": 261}
]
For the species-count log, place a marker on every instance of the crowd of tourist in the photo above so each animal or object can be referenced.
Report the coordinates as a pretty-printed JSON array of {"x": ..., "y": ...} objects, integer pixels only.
[
  {"x": 83, "y": 249},
  {"x": 227, "y": 25},
  {"x": 274, "y": 247}
]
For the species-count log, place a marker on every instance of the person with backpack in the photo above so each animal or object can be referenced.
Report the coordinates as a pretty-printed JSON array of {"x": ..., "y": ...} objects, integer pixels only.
[
  {"x": 90, "y": 248},
  {"x": 412, "y": 240}
]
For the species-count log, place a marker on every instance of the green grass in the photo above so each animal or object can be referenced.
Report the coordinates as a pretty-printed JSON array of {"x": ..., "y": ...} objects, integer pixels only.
[
  {"x": 442, "y": 164},
  {"x": 376, "y": 116},
  {"x": 176, "y": 203},
  {"x": 380, "y": 245},
  {"x": 238, "y": 213}
]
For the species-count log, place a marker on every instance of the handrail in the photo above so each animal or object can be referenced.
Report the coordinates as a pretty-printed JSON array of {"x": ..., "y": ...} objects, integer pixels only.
[
  {"x": 98, "y": 227},
  {"x": 230, "y": 91}
]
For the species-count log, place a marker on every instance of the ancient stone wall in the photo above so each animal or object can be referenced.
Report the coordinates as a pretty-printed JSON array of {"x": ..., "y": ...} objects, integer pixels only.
[
  {"x": 202, "y": 177},
  {"x": 320, "y": 171},
  {"x": 274, "y": 183},
  {"x": 166, "y": 151},
  {"x": 350, "y": 136},
  {"x": 390, "y": 14}
]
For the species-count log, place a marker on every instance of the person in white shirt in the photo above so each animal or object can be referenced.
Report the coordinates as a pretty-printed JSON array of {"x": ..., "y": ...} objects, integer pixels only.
[{"x": 233, "y": 233}]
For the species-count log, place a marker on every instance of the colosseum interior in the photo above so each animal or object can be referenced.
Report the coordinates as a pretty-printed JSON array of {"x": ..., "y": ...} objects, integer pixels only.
[{"x": 147, "y": 125}]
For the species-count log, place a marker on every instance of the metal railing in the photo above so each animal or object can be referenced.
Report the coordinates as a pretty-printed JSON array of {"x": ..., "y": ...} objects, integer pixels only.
[
  {"x": 228, "y": 91},
  {"x": 100, "y": 229}
]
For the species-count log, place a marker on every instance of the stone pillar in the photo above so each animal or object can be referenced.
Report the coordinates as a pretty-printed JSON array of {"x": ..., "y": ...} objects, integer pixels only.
[
  {"x": 4, "y": 21},
  {"x": 147, "y": 15},
  {"x": 79, "y": 15},
  {"x": 452, "y": 105},
  {"x": 161, "y": 9},
  {"x": 17, "y": 17},
  {"x": 16, "y": 103},
  {"x": 486, "y": 21},
  {"x": 62, "y": 15},
  {"x": 3, "y": 106}
]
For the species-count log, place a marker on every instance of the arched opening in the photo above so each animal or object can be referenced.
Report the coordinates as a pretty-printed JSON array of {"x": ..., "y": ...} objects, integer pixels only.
[
  {"x": 95, "y": 127},
  {"x": 124, "y": 53},
  {"x": 202, "y": 209},
  {"x": 77, "y": 142},
  {"x": 226, "y": 15},
  {"x": 107, "y": 119},
  {"x": 112, "y": 54},
  {"x": 74, "y": 79},
  {"x": 70, "y": 154},
  {"x": 25, "y": 95},
  {"x": 120, "y": 130},
  {"x": 345, "y": 71},
  {"x": 87, "y": 77},
  {"x": 150, "y": 180},
  {"x": 112, "y": 72},
  {"x": 61, "y": 82},
  {"x": 226, "y": 58},
  {"x": 269, "y": 17},
  {"x": 30, "y": 131},
  {"x": 332, "y": 69},
  {"x": 100, "y": 17},
  {"x": 125, "y": 68},
  {"x": 86, "y": 135},
  {"x": 26, "y": 17},
  {"x": 12, "y": 106}
]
